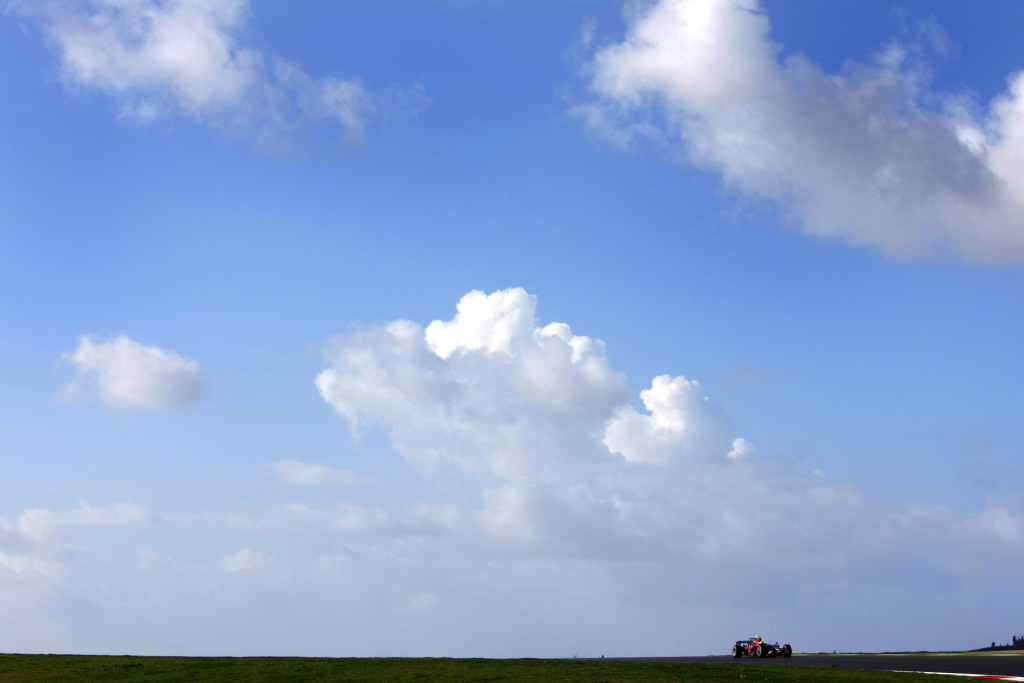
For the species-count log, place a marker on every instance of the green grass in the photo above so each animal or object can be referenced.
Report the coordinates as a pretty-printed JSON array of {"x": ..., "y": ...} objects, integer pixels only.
[{"x": 96, "y": 668}]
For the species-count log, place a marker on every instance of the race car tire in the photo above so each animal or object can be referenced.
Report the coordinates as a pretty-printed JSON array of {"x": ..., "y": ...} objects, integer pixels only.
[
  {"x": 787, "y": 650},
  {"x": 737, "y": 651},
  {"x": 760, "y": 651}
]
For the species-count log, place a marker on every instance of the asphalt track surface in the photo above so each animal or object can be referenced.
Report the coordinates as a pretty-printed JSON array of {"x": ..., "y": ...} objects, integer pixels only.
[{"x": 988, "y": 665}]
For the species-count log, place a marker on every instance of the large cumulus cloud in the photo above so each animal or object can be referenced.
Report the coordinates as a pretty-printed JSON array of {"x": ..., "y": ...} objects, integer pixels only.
[
  {"x": 870, "y": 154},
  {"x": 565, "y": 462},
  {"x": 488, "y": 391},
  {"x": 549, "y": 513}
]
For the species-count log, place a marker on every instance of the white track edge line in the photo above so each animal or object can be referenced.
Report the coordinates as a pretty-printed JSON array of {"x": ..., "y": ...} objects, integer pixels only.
[{"x": 995, "y": 677}]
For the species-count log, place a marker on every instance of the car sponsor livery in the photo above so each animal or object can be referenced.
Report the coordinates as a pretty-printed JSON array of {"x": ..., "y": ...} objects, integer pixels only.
[{"x": 757, "y": 647}]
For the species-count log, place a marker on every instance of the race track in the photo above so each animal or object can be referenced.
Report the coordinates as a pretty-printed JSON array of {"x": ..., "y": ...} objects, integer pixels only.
[{"x": 989, "y": 665}]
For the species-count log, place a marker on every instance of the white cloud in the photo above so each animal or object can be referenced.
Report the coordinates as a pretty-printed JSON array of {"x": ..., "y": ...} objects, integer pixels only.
[
  {"x": 158, "y": 58},
  {"x": 333, "y": 529},
  {"x": 566, "y": 464},
  {"x": 420, "y": 604},
  {"x": 23, "y": 553},
  {"x": 35, "y": 548},
  {"x": 681, "y": 422},
  {"x": 485, "y": 321},
  {"x": 862, "y": 154},
  {"x": 182, "y": 50},
  {"x": 38, "y": 522},
  {"x": 486, "y": 391},
  {"x": 246, "y": 559},
  {"x": 128, "y": 375},
  {"x": 41, "y": 524},
  {"x": 293, "y": 472},
  {"x": 568, "y": 520}
]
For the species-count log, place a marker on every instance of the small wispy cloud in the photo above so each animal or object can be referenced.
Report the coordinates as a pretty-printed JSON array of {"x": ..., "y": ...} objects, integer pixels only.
[
  {"x": 246, "y": 559},
  {"x": 128, "y": 375},
  {"x": 748, "y": 375},
  {"x": 158, "y": 59},
  {"x": 293, "y": 472}
]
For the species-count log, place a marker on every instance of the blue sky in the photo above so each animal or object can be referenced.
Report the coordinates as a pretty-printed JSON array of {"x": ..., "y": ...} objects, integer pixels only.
[{"x": 495, "y": 329}]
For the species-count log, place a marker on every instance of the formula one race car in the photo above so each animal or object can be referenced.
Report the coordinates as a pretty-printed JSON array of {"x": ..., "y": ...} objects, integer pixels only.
[{"x": 756, "y": 647}]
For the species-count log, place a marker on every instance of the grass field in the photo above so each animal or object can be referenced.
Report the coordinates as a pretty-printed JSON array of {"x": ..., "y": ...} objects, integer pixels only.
[{"x": 97, "y": 668}]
